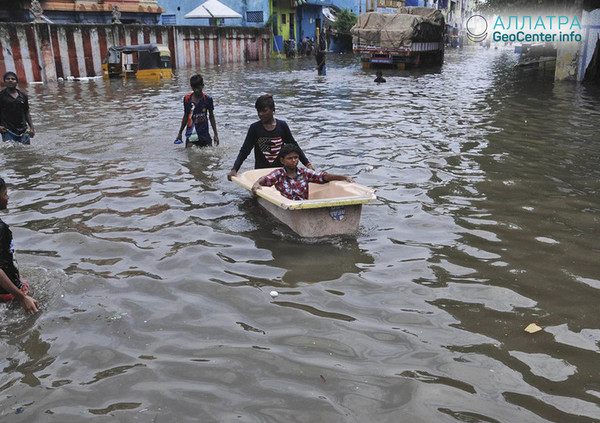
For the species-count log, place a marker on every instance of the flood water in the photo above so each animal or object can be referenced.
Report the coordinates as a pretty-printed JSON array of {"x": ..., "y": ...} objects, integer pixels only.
[{"x": 154, "y": 272}]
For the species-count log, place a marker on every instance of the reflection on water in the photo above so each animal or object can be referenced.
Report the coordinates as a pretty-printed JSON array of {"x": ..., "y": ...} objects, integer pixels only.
[
  {"x": 154, "y": 271},
  {"x": 304, "y": 260}
]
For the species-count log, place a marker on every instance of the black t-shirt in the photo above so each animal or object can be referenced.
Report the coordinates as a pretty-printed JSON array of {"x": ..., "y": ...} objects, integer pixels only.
[
  {"x": 13, "y": 111},
  {"x": 266, "y": 145},
  {"x": 7, "y": 262},
  {"x": 320, "y": 58}
]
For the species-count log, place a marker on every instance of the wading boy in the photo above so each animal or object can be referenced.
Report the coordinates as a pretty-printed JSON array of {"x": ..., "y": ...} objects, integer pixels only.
[
  {"x": 292, "y": 181},
  {"x": 198, "y": 110},
  {"x": 14, "y": 112},
  {"x": 266, "y": 137},
  {"x": 321, "y": 65},
  {"x": 12, "y": 287},
  {"x": 379, "y": 77}
]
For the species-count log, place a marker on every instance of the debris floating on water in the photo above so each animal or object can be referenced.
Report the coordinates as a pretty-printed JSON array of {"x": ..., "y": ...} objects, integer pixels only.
[
  {"x": 273, "y": 294},
  {"x": 533, "y": 328}
]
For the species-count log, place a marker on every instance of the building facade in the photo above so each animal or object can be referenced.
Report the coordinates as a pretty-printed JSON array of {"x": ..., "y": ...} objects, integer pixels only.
[
  {"x": 254, "y": 12},
  {"x": 296, "y": 20},
  {"x": 83, "y": 11}
]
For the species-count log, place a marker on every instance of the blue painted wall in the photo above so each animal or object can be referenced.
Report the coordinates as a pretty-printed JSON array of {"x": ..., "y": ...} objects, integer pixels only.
[
  {"x": 416, "y": 3},
  {"x": 307, "y": 16},
  {"x": 175, "y": 10}
]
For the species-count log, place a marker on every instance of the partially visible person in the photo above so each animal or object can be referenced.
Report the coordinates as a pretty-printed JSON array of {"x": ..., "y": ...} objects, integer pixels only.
[
  {"x": 266, "y": 137},
  {"x": 321, "y": 65},
  {"x": 329, "y": 37},
  {"x": 12, "y": 287},
  {"x": 198, "y": 110},
  {"x": 292, "y": 181},
  {"x": 15, "y": 121},
  {"x": 322, "y": 42},
  {"x": 305, "y": 47},
  {"x": 379, "y": 77}
]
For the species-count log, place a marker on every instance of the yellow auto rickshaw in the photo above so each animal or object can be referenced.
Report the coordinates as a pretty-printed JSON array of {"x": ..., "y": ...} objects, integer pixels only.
[{"x": 147, "y": 61}]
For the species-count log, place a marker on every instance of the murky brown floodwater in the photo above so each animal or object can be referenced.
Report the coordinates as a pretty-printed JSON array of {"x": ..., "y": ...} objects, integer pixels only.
[{"x": 154, "y": 272}]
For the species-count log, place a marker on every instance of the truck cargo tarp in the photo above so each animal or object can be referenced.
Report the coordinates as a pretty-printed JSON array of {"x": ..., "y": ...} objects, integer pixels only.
[{"x": 400, "y": 29}]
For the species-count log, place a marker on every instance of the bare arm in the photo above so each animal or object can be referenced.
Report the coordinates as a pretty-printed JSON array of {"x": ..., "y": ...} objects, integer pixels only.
[
  {"x": 258, "y": 184},
  {"x": 29, "y": 304},
  {"x": 213, "y": 123},
  {"x": 30, "y": 123},
  {"x": 333, "y": 177},
  {"x": 184, "y": 121},
  {"x": 247, "y": 147}
]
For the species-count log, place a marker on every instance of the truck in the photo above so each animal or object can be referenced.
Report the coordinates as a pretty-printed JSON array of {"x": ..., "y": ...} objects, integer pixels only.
[{"x": 411, "y": 37}]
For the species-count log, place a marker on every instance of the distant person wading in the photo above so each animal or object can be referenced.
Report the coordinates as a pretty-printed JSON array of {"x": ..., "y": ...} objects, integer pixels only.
[{"x": 15, "y": 121}]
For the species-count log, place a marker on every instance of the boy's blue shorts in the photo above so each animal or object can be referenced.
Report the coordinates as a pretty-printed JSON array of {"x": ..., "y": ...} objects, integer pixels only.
[{"x": 23, "y": 138}]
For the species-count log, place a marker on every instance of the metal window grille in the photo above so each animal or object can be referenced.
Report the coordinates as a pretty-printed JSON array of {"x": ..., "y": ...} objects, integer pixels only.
[
  {"x": 169, "y": 20},
  {"x": 256, "y": 17}
]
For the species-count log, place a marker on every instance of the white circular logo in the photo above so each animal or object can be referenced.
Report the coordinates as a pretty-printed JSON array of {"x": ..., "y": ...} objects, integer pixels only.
[{"x": 477, "y": 28}]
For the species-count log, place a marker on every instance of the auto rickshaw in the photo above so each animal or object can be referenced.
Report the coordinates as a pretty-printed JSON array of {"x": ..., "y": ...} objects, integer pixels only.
[{"x": 147, "y": 61}]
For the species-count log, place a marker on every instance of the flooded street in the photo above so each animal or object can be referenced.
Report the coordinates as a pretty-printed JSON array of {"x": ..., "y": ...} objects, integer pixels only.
[{"x": 154, "y": 272}]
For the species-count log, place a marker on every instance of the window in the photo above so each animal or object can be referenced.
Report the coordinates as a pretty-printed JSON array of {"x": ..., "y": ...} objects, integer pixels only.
[
  {"x": 169, "y": 20},
  {"x": 283, "y": 19},
  {"x": 255, "y": 17}
]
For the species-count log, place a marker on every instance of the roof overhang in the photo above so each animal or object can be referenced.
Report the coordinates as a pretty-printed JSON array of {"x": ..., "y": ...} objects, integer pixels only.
[{"x": 212, "y": 9}]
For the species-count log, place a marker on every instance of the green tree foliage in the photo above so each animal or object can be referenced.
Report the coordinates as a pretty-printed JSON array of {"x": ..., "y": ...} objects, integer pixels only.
[{"x": 345, "y": 21}]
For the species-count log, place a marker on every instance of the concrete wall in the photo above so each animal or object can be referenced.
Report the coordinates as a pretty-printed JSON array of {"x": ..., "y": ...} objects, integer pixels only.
[
  {"x": 573, "y": 58},
  {"x": 590, "y": 24},
  {"x": 45, "y": 52}
]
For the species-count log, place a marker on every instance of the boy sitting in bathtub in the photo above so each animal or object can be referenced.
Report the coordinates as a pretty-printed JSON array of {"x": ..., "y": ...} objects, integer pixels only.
[{"x": 292, "y": 181}]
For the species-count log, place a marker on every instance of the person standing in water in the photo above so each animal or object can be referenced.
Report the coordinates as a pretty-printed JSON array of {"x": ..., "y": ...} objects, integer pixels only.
[
  {"x": 198, "y": 110},
  {"x": 321, "y": 65},
  {"x": 379, "y": 77},
  {"x": 12, "y": 286},
  {"x": 266, "y": 137},
  {"x": 15, "y": 121}
]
